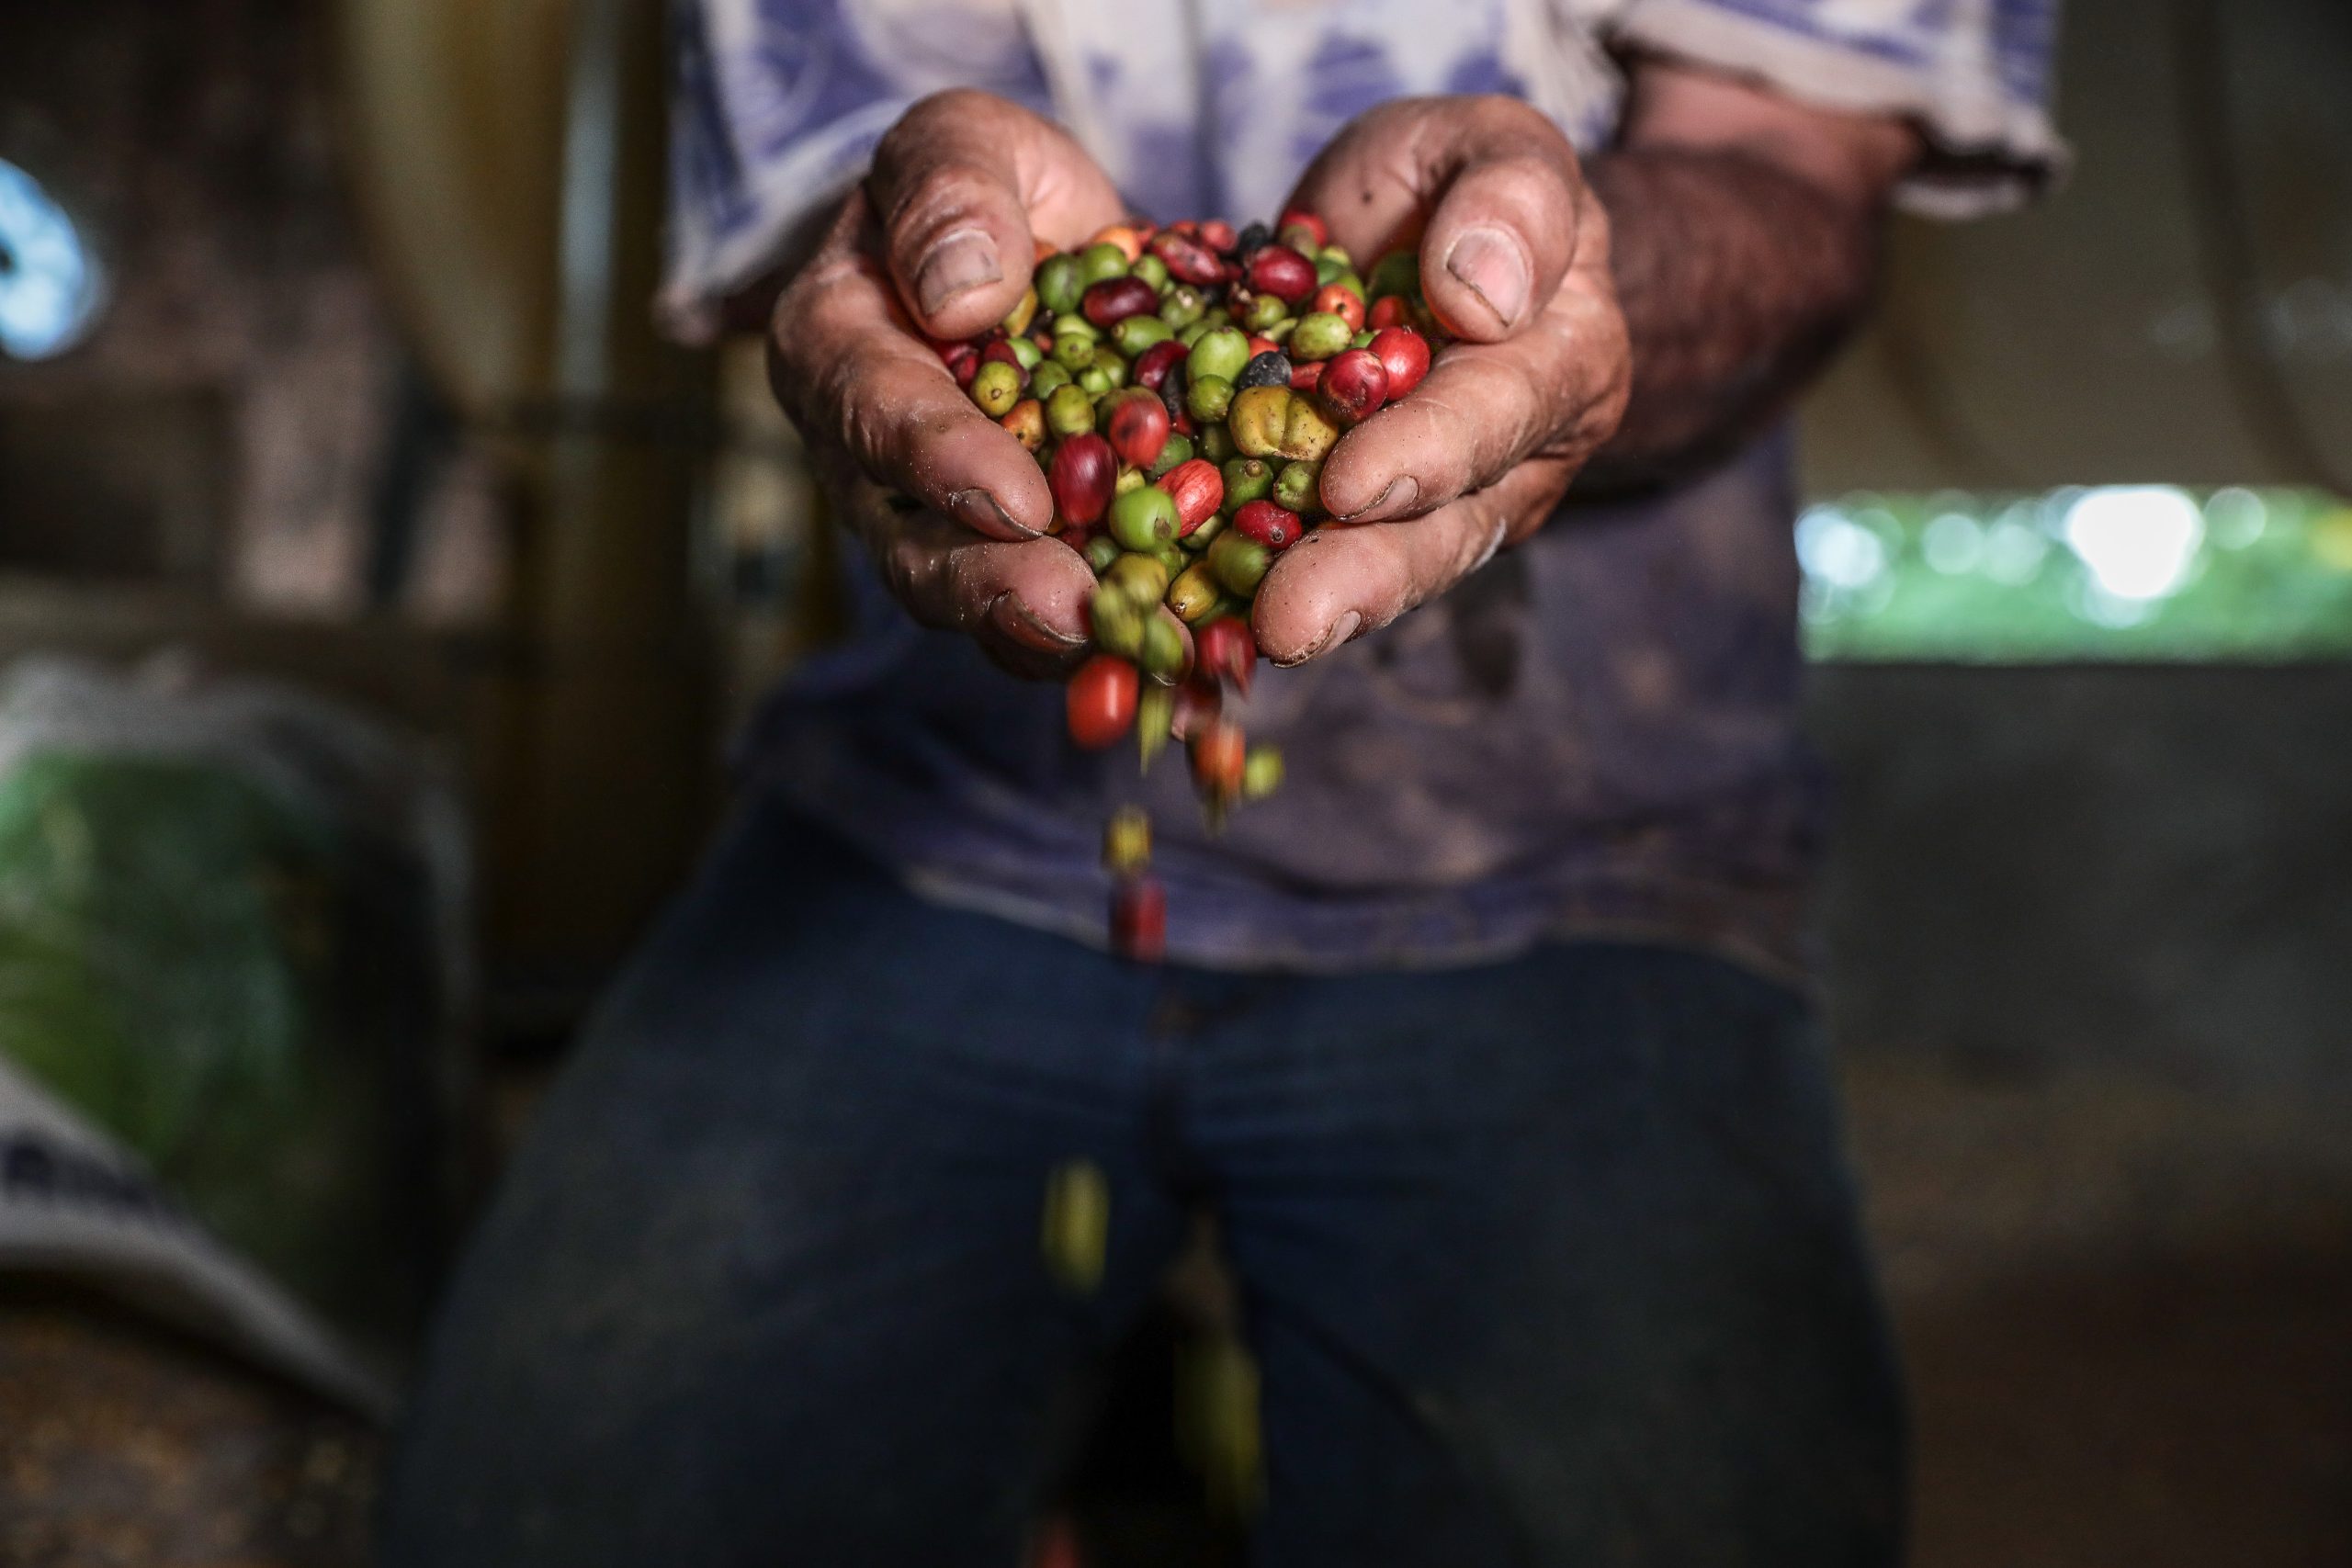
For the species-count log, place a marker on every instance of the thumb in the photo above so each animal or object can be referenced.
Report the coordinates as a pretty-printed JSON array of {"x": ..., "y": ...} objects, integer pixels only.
[
  {"x": 953, "y": 184},
  {"x": 1503, "y": 229}
]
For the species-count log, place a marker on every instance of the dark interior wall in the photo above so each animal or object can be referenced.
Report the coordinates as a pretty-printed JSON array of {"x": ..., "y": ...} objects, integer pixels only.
[
  {"x": 2139, "y": 866},
  {"x": 222, "y": 426}
]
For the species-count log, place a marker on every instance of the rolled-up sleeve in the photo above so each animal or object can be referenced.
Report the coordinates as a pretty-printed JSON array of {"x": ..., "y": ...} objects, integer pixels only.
[
  {"x": 1974, "y": 75},
  {"x": 775, "y": 109}
]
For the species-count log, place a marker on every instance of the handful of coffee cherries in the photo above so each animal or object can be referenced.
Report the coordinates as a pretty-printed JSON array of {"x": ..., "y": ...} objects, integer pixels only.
[{"x": 1181, "y": 386}]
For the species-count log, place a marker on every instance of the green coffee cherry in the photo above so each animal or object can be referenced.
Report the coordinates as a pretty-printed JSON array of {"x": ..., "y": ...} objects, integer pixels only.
[
  {"x": 1362, "y": 340},
  {"x": 1201, "y": 537},
  {"x": 1163, "y": 654},
  {"x": 1073, "y": 352},
  {"x": 1142, "y": 577},
  {"x": 1221, "y": 353},
  {"x": 1320, "y": 335},
  {"x": 1075, "y": 1232},
  {"x": 1296, "y": 488},
  {"x": 1144, "y": 518},
  {"x": 1181, "y": 307},
  {"x": 1059, "y": 285},
  {"x": 1217, "y": 444},
  {"x": 1096, "y": 380},
  {"x": 1247, "y": 480},
  {"x": 1264, "y": 312},
  {"x": 1070, "y": 412},
  {"x": 1239, "y": 564},
  {"x": 1116, "y": 618},
  {"x": 1101, "y": 552},
  {"x": 1178, "y": 450},
  {"x": 1138, "y": 333},
  {"x": 1050, "y": 375},
  {"x": 1027, "y": 352},
  {"x": 997, "y": 388},
  {"x": 1207, "y": 397},
  {"x": 1099, "y": 262},
  {"x": 1152, "y": 269}
]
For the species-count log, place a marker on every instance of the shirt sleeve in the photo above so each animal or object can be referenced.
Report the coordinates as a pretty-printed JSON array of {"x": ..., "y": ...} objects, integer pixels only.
[
  {"x": 776, "y": 106},
  {"x": 1974, "y": 75}
]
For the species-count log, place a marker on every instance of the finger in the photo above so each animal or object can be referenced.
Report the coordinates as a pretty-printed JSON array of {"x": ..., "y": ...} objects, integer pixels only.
[
  {"x": 958, "y": 184},
  {"x": 1339, "y": 582},
  {"x": 1024, "y": 600},
  {"x": 1490, "y": 187},
  {"x": 1555, "y": 390},
  {"x": 847, "y": 369}
]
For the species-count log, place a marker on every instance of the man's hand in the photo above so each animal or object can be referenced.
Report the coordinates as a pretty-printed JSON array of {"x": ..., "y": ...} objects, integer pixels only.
[
  {"x": 939, "y": 241},
  {"x": 1514, "y": 253}
]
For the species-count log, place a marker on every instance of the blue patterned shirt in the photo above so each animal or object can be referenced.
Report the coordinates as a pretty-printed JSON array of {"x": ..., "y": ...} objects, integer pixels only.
[{"x": 1592, "y": 735}]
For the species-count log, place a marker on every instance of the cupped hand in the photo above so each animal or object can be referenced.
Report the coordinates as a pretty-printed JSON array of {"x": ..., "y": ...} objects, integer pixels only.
[
  {"x": 939, "y": 242},
  {"x": 1514, "y": 255}
]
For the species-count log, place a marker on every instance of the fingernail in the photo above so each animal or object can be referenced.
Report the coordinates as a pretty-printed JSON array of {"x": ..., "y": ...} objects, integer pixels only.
[
  {"x": 978, "y": 511},
  {"x": 1394, "y": 502},
  {"x": 1341, "y": 631},
  {"x": 1015, "y": 620},
  {"x": 1495, "y": 268},
  {"x": 965, "y": 259}
]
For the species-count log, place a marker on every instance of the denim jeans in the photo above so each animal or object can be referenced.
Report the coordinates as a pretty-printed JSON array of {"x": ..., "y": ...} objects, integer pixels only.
[{"x": 1554, "y": 1261}]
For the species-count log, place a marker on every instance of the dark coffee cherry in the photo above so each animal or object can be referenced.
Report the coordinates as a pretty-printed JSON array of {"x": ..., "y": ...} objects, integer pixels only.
[{"x": 1271, "y": 368}]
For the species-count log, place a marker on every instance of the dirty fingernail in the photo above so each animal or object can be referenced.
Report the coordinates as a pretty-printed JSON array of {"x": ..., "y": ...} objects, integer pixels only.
[
  {"x": 978, "y": 511},
  {"x": 1341, "y": 631},
  {"x": 1495, "y": 268},
  {"x": 965, "y": 259},
  {"x": 1017, "y": 621},
  {"x": 1394, "y": 502}
]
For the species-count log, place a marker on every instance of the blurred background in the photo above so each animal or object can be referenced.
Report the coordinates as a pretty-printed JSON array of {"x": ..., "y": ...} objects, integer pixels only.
[{"x": 378, "y": 592}]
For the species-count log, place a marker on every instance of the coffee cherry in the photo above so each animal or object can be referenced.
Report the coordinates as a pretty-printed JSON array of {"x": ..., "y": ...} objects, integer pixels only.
[
  {"x": 1224, "y": 650},
  {"x": 1163, "y": 652},
  {"x": 1194, "y": 592},
  {"x": 1099, "y": 263},
  {"x": 1318, "y": 234},
  {"x": 1319, "y": 336},
  {"x": 1354, "y": 386},
  {"x": 1207, "y": 397},
  {"x": 1279, "y": 271},
  {"x": 1396, "y": 274},
  {"x": 1113, "y": 300},
  {"x": 1276, "y": 527},
  {"x": 1262, "y": 772},
  {"x": 1308, "y": 377},
  {"x": 1026, "y": 421},
  {"x": 1187, "y": 260},
  {"x": 1269, "y": 421},
  {"x": 1070, "y": 412},
  {"x": 1221, "y": 353},
  {"x": 1113, "y": 617},
  {"x": 1143, "y": 580},
  {"x": 1405, "y": 354},
  {"x": 1270, "y": 368},
  {"x": 1338, "y": 299},
  {"x": 1300, "y": 487},
  {"x": 1058, "y": 285},
  {"x": 1239, "y": 564},
  {"x": 1083, "y": 477},
  {"x": 1247, "y": 479},
  {"x": 1143, "y": 518},
  {"x": 1126, "y": 841},
  {"x": 1139, "y": 923},
  {"x": 1101, "y": 552},
  {"x": 1198, "y": 490},
  {"x": 1219, "y": 755},
  {"x": 1153, "y": 364},
  {"x": 1137, "y": 426},
  {"x": 1174, "y": 456},
  {"x": 996, "y": 387},
  {"x": 1100, "y": 702},
  {"x": 1388, "y": 312}
]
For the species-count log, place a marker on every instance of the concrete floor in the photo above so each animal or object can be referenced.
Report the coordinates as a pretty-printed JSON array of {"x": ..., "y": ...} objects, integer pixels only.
[{"x": 2125, "y": 1305}]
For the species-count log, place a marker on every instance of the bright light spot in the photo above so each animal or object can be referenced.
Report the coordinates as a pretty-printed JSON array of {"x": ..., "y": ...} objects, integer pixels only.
[
  {"x": 49, "y": 289},
  {"x": 2235, "y": 518},
  {"x": 1953, "y": 544},
  {"x": 2014, "y": 549},
  {"x": 1836, "y": 550},
  {"x": 2139, "y": 541}
]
